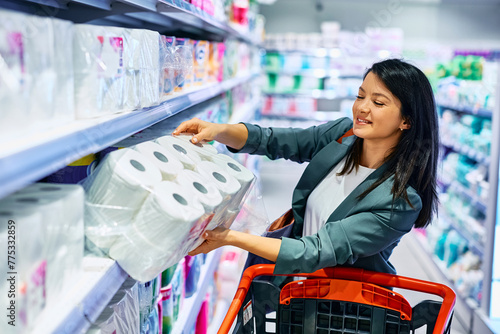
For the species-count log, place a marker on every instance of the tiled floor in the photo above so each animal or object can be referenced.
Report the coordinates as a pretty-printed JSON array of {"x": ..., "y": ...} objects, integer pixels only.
[{"x": 278, "y": 178}]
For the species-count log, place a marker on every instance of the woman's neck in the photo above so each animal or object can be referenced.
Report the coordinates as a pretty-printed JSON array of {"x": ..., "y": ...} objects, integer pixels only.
[{"x": 374, "y": 154}]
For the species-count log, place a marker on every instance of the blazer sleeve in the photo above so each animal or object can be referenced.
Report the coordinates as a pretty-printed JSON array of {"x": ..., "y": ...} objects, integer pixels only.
[
  {"x": 367, "y": 232},
  {"x": 295, "y": 144}
]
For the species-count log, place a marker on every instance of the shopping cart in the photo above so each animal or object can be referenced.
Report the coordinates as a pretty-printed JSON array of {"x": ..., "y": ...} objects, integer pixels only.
[{"x": 334, "y": 301}]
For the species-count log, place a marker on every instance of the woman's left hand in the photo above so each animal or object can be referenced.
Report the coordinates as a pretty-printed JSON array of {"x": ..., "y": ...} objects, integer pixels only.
[{"x": 215, "y": 238}]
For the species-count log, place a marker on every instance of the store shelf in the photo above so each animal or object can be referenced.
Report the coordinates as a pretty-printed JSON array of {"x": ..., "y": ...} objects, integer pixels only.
[
  {"x": 162, "y": 15},
  {"x": 83, "y": 303},
  {"x": 191, "y": 306},
  {"x": 33, "y": 157},
  {"x": 437, "y": 273},
  {"x": 472, "y": 243},
  {"x": 480, "y": 112},
  {"x": 247, "y": 112},
  {"x": 314, "y": 94},
  {"x": 319, "y": 116},
  {"x": 316, "y": 73},
  {"x": 468, "y": 151},
  {"x": 314, "y": 52}
]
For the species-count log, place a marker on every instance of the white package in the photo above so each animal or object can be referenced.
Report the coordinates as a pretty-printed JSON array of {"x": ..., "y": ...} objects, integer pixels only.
[
  {"x": 14, "y": 83},
  {"x": 115, "y": 192},
  {"x": 244, "y": 176},
  {"x": 168, "y": 163},
  {"x": 70, "y": 230},
  {"x": 159, "y": 232},
  {"x": 182, "y": 150},
  {"x": 28, "y": 261},
  {"x": 205, "y": 150},
  {"x": 98, "y": 56}
]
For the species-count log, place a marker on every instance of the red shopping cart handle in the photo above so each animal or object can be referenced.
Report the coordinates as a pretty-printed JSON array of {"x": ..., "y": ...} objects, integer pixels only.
[{"x": 353, "y": 274}]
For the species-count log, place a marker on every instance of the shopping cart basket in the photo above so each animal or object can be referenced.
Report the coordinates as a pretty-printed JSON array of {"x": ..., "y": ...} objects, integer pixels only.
[{"x": 336, "y": 300}]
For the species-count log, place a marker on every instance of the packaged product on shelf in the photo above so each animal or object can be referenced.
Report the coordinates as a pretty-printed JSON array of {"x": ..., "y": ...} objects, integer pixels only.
[
  {"x": 121, "y": 315},
  {"x": 148, "y": 224},
  {"x": 221, "y": 50},
  {"x": 142, "y": 68},
  {"x": 58, "y": 234},
  {"x": 98, "y": 59},
  {"x": 23, "y": 227},
  {"x": 173, "y": 297},
  {"x": 192, "y": 266},
  {"x": 200, "y": 65},
  {"x": 14, "y": 83},
  {"x": 213, "y": 62},
  {"x": 167, "y": 60},
  {"x": 75, "y": 171},
  {"x": 184, "y": 56}
]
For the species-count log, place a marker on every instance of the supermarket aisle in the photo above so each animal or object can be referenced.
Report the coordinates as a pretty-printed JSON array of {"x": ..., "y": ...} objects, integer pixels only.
[{"x": 278, "y": 180}]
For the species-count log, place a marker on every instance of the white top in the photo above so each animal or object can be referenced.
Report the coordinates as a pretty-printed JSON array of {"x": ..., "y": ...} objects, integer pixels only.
[{"x": 328, "y": 195}]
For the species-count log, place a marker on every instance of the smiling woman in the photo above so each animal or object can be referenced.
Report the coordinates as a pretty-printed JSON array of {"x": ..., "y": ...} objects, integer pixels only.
[{"x": 360, "y": 194}]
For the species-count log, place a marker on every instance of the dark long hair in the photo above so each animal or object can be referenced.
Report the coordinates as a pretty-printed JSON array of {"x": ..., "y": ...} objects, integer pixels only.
[{"x": 413, "y": 161}]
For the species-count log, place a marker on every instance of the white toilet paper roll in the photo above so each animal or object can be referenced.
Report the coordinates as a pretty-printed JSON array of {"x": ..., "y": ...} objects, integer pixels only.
[
  {"x": 205, "y": 191},
  {"x": 205, "y": 150},
  {"x": 159, "y": 232},
  {"x": 181, "y": 150},
  {"x": 234, "y": 168},
  {"x": 227, "y": 184},
  {"x": 168, "y": 163},
  {"x": 115, "y": 191}
]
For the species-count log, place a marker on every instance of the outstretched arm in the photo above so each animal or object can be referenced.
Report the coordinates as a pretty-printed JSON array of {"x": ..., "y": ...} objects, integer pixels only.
[
  {"x": 267, "y": 248},
  {"x": 232, "y": 135}
]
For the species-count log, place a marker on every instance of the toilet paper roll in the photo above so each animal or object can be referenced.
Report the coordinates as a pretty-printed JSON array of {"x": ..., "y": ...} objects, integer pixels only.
[
  {"x": 235, "y": 169},
  {"x": 114, "y": 193},
  {"x": 182, "y": 150},
  {"x": 205, "y": 191},
  {"x": 168, "y": 215},
  {"x": 227, "y": 184},
  {"x": 159, "y": 232},
  {"x": 168, "y": 163},
  {"x": 205, "y": 150}
]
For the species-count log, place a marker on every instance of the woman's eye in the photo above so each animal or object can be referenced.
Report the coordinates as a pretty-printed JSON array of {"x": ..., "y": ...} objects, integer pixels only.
[
  {"x": 359, "y": 97},
  {"x": 378, "y": 103}
]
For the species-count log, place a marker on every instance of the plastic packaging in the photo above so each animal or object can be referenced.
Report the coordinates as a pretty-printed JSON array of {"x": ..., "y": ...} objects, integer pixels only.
[
  {"x": 98, "y": 59},
  {"x": 148, "y": 224}
]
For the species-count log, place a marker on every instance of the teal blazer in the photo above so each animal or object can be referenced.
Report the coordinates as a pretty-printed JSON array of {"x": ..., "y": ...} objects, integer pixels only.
[{"x": 359, "y": 233}]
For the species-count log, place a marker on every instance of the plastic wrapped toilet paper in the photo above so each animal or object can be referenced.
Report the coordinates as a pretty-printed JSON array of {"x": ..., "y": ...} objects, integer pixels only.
[
  {"x": 227, "y": 184},
  {"x": 28, "y": 261},
  {"x": 182, "y": 150},
  {"x": 71, "y": 228},
  {"x": 159, "y": 232},
  {"x": 14, "y": 81},
  {"x": 115, "y": 192},
  {"x": 169, "y": 164},
  {"x": 244, "y": 176},
  {"x": 204, "y": 150},
  {"x": 98, "y": 57},
  {"x": 142, "y": 68}
]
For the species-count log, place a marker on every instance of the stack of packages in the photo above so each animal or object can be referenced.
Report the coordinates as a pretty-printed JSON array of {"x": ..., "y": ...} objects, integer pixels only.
[
  {"x": 48, "y": 250},
  {"x": 36, "y": 81},
  {"x": 147, "y": 206}
]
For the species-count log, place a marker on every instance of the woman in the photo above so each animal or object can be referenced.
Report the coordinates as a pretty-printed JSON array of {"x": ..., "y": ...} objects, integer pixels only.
[{"x": 357, "y": 198}]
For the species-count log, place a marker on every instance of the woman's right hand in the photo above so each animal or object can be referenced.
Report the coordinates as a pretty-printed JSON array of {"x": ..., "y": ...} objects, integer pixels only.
[
  {"x": 232, "y": 135},
  {"x": 202, "y": 131}
]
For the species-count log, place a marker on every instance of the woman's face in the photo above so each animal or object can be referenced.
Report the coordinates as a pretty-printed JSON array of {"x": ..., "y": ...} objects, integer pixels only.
[{"x": 377, "y": 113}]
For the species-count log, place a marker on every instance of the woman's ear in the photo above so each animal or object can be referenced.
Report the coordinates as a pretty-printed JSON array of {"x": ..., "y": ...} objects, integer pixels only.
[{"x": 405, "y": 125}]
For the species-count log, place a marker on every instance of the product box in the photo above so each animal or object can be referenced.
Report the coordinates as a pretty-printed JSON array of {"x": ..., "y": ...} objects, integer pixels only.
[{"x": 200, "y": 66}]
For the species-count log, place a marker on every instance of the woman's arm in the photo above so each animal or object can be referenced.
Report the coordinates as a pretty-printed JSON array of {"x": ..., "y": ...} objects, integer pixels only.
[
  {"x": 232, "y": 135},
  {"x": 267, "y": 248}
]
